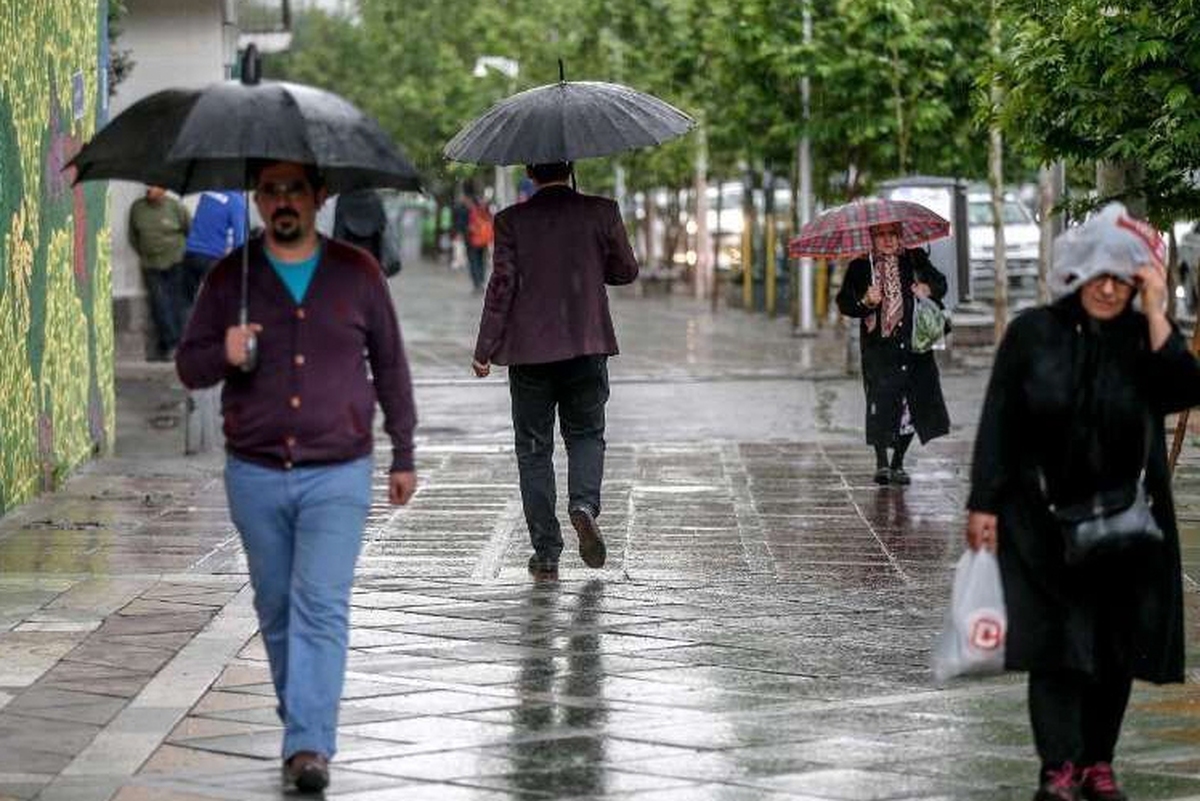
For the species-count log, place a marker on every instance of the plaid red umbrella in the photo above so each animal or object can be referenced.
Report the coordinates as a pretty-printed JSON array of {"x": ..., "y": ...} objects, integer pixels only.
[{"x": 846, "y": 230}]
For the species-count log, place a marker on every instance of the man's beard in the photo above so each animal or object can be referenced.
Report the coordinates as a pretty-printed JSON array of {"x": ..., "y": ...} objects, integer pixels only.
[{"x": 286, "y": 227}]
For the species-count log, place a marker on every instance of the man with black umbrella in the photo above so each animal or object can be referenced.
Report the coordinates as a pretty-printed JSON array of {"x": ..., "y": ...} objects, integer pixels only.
[
  {"x": 546, "y": 316},
  {"x": 299, "y": 436}
]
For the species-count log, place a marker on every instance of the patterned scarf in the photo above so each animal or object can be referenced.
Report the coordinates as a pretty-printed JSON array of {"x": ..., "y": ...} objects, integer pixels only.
[{"x": 887, "y": 278}]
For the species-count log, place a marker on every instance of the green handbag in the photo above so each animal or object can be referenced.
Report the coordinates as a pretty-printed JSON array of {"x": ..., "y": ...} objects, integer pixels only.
[{"x": 929, "y": 325}]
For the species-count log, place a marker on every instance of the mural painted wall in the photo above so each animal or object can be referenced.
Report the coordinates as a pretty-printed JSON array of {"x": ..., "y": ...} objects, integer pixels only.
[{"x": 56, "y": 333}]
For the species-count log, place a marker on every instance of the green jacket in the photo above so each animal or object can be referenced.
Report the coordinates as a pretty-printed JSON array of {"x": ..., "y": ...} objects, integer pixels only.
[{"x": 158, "y": 231}]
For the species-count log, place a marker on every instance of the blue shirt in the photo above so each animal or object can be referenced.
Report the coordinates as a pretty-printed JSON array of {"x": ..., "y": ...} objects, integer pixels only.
[
  {"x": 296, "y": 275},
  {"x": 219, "y": 224}
]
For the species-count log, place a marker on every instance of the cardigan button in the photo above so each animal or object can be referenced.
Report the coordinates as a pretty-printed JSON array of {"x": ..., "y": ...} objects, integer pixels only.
[
  {"x": 287, "y": 465},
  {"x": 290, "y": 442},
  {"x": 295, "y": 401},
  {"x": 300, "y": 313},
  {"x": 298, "y": 360}
]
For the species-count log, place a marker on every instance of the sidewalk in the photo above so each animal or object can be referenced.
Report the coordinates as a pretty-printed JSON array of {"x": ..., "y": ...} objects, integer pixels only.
[{"x": 761, "y": 630}]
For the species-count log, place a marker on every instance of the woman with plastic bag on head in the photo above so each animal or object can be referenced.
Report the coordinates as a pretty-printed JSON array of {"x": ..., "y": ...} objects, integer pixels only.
[
  {"x": 1070, "y": 454},
  {"x": 904, "y": 391}
]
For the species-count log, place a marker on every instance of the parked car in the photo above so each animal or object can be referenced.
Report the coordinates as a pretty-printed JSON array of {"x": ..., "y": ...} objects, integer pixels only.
[{"x": 1021, "y": 241}]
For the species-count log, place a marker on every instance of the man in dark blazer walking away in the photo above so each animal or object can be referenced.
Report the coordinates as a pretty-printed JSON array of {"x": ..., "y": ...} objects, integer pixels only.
[{"x": 546, "y": 316}]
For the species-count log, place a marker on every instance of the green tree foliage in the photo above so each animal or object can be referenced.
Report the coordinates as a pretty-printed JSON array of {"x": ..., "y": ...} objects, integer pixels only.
[
  {"x": 891, "y": 78},
  {"x": 1111, "y": 80}
]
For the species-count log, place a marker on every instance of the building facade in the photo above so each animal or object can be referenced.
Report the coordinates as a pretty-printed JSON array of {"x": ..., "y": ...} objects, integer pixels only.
[
  {"x": 56, "y": 332},
  {"x": 176, "y": 44}
]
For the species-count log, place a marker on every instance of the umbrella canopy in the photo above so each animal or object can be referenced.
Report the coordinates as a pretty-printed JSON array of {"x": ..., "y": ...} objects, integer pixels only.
[
  {"x": 566, "y": 121},
  {"x": 846, "y": 230},
  {"x": 191, "y": 140}
]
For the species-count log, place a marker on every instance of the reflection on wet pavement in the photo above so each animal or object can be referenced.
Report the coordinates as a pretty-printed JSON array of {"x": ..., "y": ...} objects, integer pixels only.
[{"x": 761, "y": 630}]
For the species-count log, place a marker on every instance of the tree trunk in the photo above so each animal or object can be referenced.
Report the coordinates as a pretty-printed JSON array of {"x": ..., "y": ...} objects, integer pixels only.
[
  {"x": 1050, "y": 223},
  {"x": 703, "y": 249},
  {"x": 901, "y": 127},
  {"x": 650, "y": 256},
  {"x": 996, "y": 180},
  {"x": 716, "y": 249},
  {"x": 1122, "y": 180}
]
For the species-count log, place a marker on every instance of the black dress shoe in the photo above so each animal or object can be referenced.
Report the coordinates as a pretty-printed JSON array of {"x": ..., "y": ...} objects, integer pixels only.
[
  {"x": 543, "y": 568},
  {"x": 591, "y": 545},
  {"x": 883, "y": 475},
  {"x": 308, "y": 770},
  {"x": 900, "y": 476}
]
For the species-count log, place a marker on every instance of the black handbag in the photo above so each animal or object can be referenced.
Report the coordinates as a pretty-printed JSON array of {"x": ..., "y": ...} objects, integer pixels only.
[{"x": 1113, "y": 521}]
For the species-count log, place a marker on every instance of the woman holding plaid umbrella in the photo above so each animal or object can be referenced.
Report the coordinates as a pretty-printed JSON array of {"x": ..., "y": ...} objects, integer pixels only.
[{"x": 904, "y": 392}]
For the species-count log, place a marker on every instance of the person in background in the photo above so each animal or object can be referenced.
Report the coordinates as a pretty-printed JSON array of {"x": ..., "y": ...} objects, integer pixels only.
[
  {"x": 473, "y": 226},
  {"x": 546, "y": 316},
  {"x": 903, "y": 388},
  {"x": 158, "y": 229},
  {"x": 218, "y": 226},
  {"x": 1073, "y": 413},
  {"x": 360, "y": 219}
]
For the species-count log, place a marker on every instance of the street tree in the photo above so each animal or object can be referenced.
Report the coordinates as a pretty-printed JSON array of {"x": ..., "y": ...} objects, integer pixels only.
[{"x": 1114, "y": 82}]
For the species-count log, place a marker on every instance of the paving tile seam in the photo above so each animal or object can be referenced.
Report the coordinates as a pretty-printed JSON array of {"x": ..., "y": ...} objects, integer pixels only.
[
  {"x": 501, "y": 537},
  {"x": 849, "y": 490},
  {"x": 755, "y": 548},
  {"x": 121, "y": 746}
]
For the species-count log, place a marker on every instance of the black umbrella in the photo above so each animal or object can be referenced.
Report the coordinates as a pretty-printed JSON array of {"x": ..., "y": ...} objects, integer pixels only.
[
  {"x": 191, "y": 140},
  {"x": 566, "y": 121}
]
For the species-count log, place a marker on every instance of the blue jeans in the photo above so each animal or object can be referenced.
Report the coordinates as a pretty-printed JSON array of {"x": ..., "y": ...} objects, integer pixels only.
[{"x": 302, "y": 530}]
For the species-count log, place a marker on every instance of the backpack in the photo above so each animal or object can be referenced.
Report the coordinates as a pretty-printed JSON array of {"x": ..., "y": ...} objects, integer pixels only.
[{"x": 479, "y": 225}]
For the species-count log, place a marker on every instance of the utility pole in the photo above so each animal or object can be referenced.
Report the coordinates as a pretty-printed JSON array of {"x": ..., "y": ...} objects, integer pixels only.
[{"x": 806, "y": 322}]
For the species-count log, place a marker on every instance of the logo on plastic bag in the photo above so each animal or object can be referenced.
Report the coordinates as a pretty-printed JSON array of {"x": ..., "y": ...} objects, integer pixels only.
[{"x": 985, "y": 630}]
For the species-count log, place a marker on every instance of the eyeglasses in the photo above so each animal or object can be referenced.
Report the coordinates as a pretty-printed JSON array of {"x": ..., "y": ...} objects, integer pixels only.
[{"x": 280, "y": 190}]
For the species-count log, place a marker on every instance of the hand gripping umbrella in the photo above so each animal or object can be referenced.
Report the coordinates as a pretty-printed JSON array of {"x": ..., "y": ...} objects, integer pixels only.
[
  {"x": 566, "y": 121},
  {"x": 191, "y": 140}
]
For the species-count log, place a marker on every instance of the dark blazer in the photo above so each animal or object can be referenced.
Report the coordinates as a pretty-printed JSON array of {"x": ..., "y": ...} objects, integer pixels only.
[
  {"x": 1069, "y": 399},
  {"x": 891, "y": 372},
  {"x": 546, "y": 300}
]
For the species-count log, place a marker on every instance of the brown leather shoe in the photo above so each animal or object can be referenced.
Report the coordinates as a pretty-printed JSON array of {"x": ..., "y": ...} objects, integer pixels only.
[
  {"x": 591, "y": 544},
  {"x": 308, "y": 770}
]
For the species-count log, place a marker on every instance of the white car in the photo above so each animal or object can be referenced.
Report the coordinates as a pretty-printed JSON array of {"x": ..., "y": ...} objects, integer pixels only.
[{"x": 1021, "y": 241}]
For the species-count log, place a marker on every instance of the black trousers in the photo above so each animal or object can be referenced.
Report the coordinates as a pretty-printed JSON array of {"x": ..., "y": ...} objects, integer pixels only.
[
  {"x": 162, "y": 289},
  {"x": 195, "y": 268},
  {"x": 578, "y": 389},
  {"x": 1077, "y": 717}
]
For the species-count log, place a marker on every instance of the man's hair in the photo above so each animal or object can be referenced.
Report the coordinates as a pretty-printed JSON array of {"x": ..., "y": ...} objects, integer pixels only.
[
  {"x": 550, "y": 173},
  {"x": 468, "y": 188},
  {"x": 312, "y": 173}
]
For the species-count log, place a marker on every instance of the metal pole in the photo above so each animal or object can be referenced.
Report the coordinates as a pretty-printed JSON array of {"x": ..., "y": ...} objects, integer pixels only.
[{"x": 804, "y": 155}]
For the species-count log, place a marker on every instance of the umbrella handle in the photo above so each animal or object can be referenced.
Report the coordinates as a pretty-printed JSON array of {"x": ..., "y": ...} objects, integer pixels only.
[{"x": 244, "y": 312}]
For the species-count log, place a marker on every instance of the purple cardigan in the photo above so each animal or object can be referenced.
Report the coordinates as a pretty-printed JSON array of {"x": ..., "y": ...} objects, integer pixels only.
[
  {"x": 546, "y": 299},
  {"x": 311, "y": 400}
]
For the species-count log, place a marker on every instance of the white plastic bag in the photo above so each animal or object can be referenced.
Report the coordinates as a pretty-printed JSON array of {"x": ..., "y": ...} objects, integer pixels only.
[{"x": 972, "y": 639}]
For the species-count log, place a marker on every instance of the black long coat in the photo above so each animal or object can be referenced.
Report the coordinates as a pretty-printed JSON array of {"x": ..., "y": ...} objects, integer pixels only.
[
  {"x": 1076, "y": 399},
  {"x": 891, "y": 371}
]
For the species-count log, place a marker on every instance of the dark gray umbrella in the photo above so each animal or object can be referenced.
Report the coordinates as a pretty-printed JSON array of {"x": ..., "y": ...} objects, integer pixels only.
[
  {"x": 191, "y": 140},
  {"x": 566, "y": 121}
]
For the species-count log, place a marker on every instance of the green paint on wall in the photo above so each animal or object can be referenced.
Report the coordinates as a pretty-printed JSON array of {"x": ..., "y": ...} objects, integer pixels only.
[{"x": 57, "y": 403}]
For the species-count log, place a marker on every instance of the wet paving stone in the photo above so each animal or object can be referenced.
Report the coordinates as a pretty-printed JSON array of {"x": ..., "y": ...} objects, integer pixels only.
[{"x": 761, "y": 630}]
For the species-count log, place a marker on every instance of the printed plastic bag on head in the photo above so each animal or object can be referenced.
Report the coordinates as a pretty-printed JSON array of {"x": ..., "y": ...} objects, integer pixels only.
[{"x": 972, "y": 639}]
